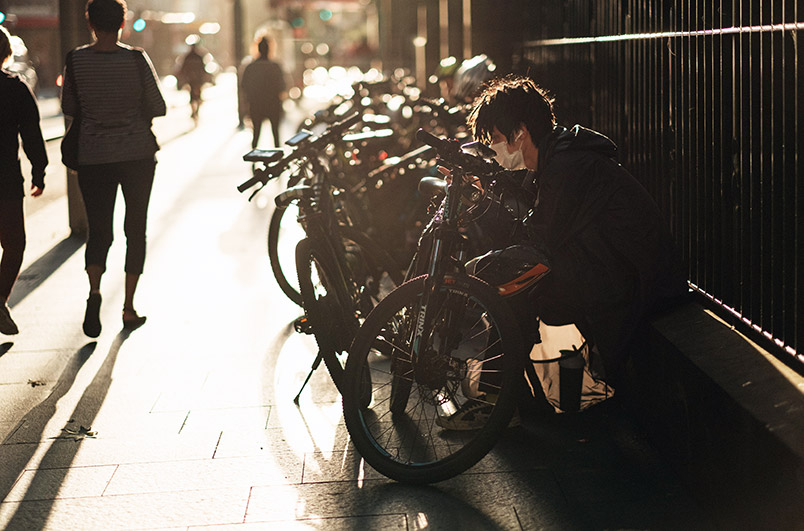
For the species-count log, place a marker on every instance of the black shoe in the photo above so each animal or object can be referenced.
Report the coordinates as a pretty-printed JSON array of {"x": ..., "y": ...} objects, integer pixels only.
[
  {"x": 7, "y": 325},
  {"x": 92, "y": 324}
]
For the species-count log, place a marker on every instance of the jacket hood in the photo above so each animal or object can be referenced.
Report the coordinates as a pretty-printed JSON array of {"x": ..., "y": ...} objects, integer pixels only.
[{"x": 576, "y": 139}]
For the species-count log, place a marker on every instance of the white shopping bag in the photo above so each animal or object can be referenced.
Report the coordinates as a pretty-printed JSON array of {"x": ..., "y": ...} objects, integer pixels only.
[{"x": 554, "y": 340}]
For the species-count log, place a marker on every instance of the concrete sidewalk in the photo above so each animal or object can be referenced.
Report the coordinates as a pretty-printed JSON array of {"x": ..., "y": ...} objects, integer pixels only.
[{"x": 189, "y": 421}]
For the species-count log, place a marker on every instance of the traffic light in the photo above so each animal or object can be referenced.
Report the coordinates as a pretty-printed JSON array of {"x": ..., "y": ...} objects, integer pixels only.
[
  {"x": 138, "y": 25},
  {"x": 296, "y": 20},
  {"x": 2, "y": 17}
]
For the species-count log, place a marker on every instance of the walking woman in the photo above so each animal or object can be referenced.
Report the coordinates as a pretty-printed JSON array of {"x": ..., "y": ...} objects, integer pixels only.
[
  {"x": 19, "y": 118},
  {"x": 114, "y": 92}
]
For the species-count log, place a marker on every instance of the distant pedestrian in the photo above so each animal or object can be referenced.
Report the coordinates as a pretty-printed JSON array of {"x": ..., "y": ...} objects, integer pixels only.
[
  {"x": 193, "y": 75},
  {"x": 114, "y": 90},
  {"x": 20, "y": 119},
  {"x": 263, "y": 86}
]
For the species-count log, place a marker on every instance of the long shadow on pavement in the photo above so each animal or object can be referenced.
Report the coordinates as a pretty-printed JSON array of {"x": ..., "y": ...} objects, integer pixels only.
[
  {"x": 36, "y": 419},
  {"x": 35, "y": 274},
  {"x": 84, "y": 414}
]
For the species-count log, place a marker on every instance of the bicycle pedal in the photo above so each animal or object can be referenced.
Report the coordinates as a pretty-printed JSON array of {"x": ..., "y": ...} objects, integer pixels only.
[{"x": 302, "y": 325}]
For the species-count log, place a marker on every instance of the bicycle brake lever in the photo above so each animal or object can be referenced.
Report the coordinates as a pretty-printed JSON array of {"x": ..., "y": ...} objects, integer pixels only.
[{"x": 255, "y": 192}]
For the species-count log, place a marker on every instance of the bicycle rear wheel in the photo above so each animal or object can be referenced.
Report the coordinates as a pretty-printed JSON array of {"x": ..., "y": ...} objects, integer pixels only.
[{"x": 467, "y": 326}]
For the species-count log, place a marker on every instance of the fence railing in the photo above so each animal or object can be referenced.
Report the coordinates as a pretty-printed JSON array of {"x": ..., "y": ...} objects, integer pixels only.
[{"x": 705, "y": 100}]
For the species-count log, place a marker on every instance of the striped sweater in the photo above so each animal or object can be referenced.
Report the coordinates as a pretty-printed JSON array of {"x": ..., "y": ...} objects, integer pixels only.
[{"x": 116, "y": 94}]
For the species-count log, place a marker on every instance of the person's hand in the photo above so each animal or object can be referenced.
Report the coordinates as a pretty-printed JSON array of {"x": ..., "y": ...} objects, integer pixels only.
[
  {"x": 36, "y": 191},
  {"x": 447, "y": 173},
  {"x": 468, "y": 179}
]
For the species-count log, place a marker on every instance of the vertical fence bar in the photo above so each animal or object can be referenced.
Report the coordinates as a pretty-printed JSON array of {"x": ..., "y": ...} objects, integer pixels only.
[{"x": 704, "y": 99}]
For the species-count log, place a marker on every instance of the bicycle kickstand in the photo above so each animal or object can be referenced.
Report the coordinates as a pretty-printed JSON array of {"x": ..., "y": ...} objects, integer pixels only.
[{"x": 316, "y": 363}]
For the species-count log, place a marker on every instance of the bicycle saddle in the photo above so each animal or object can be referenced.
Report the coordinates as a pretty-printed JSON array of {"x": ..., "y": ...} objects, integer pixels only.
[
  {"x": 432, "y": 186},
  {"x": 512, "y": 269}
]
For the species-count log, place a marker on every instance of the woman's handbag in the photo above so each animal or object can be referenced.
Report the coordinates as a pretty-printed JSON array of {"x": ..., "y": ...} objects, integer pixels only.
[{"x": 69, "y": 143}]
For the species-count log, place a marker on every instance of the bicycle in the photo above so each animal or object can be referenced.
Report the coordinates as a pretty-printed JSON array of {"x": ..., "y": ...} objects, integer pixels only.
[
  {"x": 369, "y": 189},
  {"x": 441, "y": 338},
  {"x": 341, "y": 271},
  {"x": 283, "y": 228}
]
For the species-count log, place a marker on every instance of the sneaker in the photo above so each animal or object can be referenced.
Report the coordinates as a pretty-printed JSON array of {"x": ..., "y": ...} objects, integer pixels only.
[
  {"x": 473, "y": 415},
  {"x": 7, "y": 324}
]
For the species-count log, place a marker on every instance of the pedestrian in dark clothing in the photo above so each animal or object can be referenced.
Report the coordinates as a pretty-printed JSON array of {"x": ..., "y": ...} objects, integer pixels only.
[
  {"x": 263, "y": 86},
  {"x": 193, "y": 75},
  {"x": 19, "y": 118},
  {"x": 114, "y": 90},
  {"x": 612, "y": 260}
]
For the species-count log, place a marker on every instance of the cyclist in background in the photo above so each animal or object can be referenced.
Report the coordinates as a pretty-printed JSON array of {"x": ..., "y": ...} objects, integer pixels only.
[{"x": 193, "y": 75}]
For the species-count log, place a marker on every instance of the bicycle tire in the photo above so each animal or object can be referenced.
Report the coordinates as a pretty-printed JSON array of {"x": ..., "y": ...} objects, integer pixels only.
[
  {"x": 393, "y": 443},
  {"x": 327, "y": 305},
  {"x": 274, "y": 234},
  {"x": 378, "y": 262}
]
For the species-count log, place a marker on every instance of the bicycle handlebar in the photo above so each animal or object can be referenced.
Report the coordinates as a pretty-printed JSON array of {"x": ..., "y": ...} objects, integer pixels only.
[
  {"x": 451, "y": 154},
  {"x": 257, "y": 178},
  {"x": 302, "y": 151}
]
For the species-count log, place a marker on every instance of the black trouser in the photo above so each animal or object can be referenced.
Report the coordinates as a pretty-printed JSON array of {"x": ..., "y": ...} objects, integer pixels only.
[
  {"x": 99, "y": 184},
  {"x": 12, "y": 242},
  {"x": 256, "y": 123}
]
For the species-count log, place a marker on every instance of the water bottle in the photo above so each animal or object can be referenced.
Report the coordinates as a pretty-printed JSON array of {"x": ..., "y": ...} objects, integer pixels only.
[{"x": 570, "y": 371}]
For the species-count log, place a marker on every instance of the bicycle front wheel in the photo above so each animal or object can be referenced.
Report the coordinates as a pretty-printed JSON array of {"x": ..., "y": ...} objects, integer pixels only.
[
  {"x": 327, "y": 304},
  {"x": 470, "y": 354},
  {"x": 284, "y": 233}
]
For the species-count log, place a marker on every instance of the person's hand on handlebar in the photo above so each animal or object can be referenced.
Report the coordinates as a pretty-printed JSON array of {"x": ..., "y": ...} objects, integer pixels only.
[{"x": 471, "y": 180}]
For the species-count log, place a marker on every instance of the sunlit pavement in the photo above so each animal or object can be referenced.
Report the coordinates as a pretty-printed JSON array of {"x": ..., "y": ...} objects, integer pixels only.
[{"x": 190, "y": 421}]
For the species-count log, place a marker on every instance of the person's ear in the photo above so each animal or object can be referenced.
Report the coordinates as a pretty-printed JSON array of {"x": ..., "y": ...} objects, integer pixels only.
[{"x": 526, "y": 135}]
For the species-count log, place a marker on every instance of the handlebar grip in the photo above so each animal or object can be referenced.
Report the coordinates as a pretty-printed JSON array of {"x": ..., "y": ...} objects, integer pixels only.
[
  {"x": 258, "y": 178},
  {"x": 432, "y": 140}
]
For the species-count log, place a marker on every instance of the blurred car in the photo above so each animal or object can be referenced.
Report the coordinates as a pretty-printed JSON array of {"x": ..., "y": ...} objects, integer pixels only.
[{"x": 21, "y": 64}]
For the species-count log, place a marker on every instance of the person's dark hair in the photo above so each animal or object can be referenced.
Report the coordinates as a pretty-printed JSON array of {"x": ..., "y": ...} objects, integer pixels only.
[
  {"x": 5, "y": 46},
  {"x": 106, "y": 15},
  {"x": 263, "y": 47},
  {"x": 509, "y": 102}
]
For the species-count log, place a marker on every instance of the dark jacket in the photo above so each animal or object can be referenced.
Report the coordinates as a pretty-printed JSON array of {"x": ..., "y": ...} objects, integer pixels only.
[
  {"x": 263, "y": 84},
  {"x": 19, "y": 119},
  {"x": 613, "y": 260}
]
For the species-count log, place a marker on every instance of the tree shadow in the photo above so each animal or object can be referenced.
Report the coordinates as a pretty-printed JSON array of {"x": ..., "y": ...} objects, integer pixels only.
[{"x": 84, "y": 414}]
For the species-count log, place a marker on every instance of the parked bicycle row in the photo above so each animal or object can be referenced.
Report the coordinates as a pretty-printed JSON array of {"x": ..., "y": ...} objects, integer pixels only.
[
  {"x": 373, "y": 211},
  {"x": 421, "y": 259}
]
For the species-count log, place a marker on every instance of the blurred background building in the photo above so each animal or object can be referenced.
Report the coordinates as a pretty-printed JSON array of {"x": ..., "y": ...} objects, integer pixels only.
[{"x": 383, "y": 34}]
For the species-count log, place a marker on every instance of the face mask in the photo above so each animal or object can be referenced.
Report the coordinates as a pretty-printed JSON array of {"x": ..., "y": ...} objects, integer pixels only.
[{"x": 509, "y": 161}]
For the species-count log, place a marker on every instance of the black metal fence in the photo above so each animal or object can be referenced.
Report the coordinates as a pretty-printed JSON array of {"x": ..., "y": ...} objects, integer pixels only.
[{"x": 705, "y": 100}]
